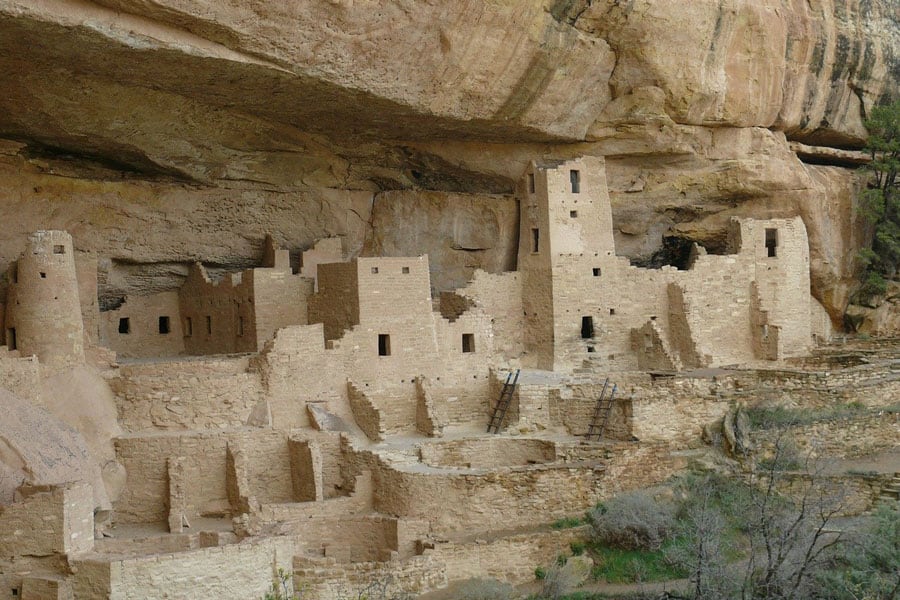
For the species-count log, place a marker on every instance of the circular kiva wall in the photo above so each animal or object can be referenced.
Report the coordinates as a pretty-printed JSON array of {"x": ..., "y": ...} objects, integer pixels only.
[{"x": 487, "y": 453}]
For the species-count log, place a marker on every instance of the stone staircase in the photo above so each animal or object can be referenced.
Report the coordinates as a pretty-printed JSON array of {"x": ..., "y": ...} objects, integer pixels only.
[{"x": 890, "y": 491}]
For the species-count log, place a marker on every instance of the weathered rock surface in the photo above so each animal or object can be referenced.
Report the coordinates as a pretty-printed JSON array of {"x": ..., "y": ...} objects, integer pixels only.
[
  {"x": 460, "y": 233},
  {"x": 166, "y": 131},
  {"x": 37, "y": 448}
]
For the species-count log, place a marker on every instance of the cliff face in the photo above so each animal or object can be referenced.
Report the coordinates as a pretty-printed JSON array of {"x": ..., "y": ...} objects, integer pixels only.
[{"x": 162, "y": 131}]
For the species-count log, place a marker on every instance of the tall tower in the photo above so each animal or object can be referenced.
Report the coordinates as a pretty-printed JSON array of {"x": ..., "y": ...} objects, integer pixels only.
[
  {"x": 565, "y": 237},
  {"x": 43, "y": 312}
]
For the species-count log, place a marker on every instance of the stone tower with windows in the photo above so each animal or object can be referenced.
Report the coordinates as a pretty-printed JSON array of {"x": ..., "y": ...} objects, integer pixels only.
[
  {"x": 565, "y": 233},
  {"x": 43, "y": 312}
]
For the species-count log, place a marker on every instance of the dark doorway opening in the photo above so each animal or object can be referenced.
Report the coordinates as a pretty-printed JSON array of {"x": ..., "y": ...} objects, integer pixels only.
[
  {"x": 772, "y": 242},
  {"x": 587, "y": 328},
  {"x": 468, "y": 342},
  {"x": 384, "y": 344}
]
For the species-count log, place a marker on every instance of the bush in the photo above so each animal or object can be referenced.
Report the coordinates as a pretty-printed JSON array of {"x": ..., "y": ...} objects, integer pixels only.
[
  {"x": 633, "y": 521},
  {"x": 558, "y": 582},
  {"x": 486, "y": 589}
]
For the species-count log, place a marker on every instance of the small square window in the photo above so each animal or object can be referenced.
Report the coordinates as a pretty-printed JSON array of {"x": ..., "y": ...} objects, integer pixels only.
[
  {"x": 596, "y": 271},
  {"x": 591, "y": 349},
  {"x": 124, "y": 325},
  {"x": 406, "y": 270},
  {"x": 573, "y": 214},
  {"x": 374, "y": 270},
  {"x": 468, "y": 342},
  {"x": 612, "y": 311},
  {"x": 164, "y": 325},
  {"x": 43, "y": 275},
  {"x": 59, "y": 249}
]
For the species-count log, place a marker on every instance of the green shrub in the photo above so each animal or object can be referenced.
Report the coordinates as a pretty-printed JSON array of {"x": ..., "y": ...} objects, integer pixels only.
[
  {"x": 567, "y": 523},
  {"x": 577, "y": 548},
  {"x": 633, "y": 521}
]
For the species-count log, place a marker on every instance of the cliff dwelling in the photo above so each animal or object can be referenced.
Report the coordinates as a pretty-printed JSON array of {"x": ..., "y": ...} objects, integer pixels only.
[
  {"x": 345, "y": 300},
  {"x": 332, "y": 420}
]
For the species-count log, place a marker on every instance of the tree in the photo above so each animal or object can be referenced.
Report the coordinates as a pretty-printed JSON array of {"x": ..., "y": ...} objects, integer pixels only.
[
  {"x": 786, "y": 538},
  {"x": 870, "y": 566},
  {"x": 881, "y": 201}
]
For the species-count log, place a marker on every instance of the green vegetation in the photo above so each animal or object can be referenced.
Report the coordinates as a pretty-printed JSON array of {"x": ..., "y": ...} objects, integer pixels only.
[
  {"x": 881, "y": 202},
  {"x": 770, "y": 417},
  {"x": 615, "y": 565},
  {"x": 568, "y": 523},
  {"x": 740, "y": 538}
]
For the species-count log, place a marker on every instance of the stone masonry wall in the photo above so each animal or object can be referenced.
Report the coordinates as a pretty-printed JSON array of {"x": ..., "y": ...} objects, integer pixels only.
[
  {"x": 142, "y": 337},
  {"x": 218, "y": 317},
  {"x": 51, "y": 520},
  {"x": 145, "y": 495},
  {"x": 520, "y": 496},
  {"x": 243, "y": 570},
  {"x": 203, "y": 393}
]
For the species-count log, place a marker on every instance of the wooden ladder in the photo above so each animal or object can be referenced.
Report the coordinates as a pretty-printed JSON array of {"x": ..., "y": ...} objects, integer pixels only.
[
  {"x": 600, "y": 418},
  {"x": 512, "y": 379}
]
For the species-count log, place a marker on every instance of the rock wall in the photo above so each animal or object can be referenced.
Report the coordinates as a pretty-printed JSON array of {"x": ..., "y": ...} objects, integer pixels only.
[{"x": 160, "y": 133}]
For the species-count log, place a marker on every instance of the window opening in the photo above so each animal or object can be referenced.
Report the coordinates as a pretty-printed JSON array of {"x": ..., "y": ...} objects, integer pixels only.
[
  {"x": 772, "y": 242},
  {"x": 531, "y": 182},
  {"x": 612, "y": 311},
  {"x": 384, "y": 344},
  {"x": 59, "y": 249},
  {"x": 164, "y": 325},
  {"x": 374, "y": 270},
  {"x": 573, "y": 214},
  {"x": 468, "y": 342},
  {"x": 587, "y": 328},
  {"x": 405, "y": 270},
  {"x": 188, "y": 327},
  {"x": 125, "y": 325},
  {"x": 43, "y": 275},
  {"x": 11, "y": 342},
  {"x": 596, "y": 271},
  {"x": 208, "y": 324},
  {"x": 535, "y": 239},
  {"x": 591, "y": 349},
  {"x": 240, "y": 330},
  {"x": 575, "y": 180}
]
